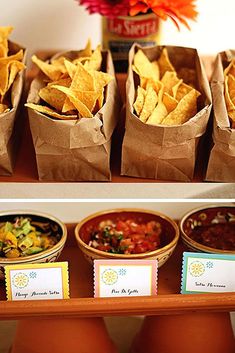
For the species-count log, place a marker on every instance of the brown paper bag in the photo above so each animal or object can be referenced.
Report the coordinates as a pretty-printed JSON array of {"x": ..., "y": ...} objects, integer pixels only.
[
  {"x": 221, "y": 165},
  {"x": 164, "y": 152},
  {"x": 10, "y": 126},
  {"x": 75, "y": 150}
]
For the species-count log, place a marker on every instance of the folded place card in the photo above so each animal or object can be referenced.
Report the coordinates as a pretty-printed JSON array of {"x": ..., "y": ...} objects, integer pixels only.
[
  {"x": 125, "y": 278},
  {"x": 202, "y": 273},
  {"x": 37, "y": 281}
]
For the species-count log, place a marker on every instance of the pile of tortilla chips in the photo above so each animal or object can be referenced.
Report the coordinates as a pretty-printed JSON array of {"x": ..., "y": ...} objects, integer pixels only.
[
  {"x": 162, "y": 95},
  {"x": 9, "y": 68},
  {"x": 229, "y": 91},
  {"x": 74, "y": 88}
]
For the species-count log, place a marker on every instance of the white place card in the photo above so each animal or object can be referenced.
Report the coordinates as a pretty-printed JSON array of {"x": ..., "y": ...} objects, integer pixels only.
[
  {"x": 208, "y": 273},
  {"x": 125, "y": 278},
  {"x": 37, "y": 281}
]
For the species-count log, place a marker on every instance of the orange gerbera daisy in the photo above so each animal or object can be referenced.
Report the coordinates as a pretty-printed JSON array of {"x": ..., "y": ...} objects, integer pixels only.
[{"x": 177, "y": 10}]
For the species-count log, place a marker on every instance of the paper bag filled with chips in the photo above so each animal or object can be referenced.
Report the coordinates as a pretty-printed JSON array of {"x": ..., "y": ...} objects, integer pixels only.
[
  {"x": 168, "y": 107},
  {"x": 12, "y": 59},
  {"x": 73, "y": 108},
  {"x": 221, "y": 165}
]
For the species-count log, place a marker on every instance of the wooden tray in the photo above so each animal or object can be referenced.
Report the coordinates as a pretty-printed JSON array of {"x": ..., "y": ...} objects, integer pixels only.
[
  {"x": 26, "y": 168},
  {"x": 82, "y": 302}
]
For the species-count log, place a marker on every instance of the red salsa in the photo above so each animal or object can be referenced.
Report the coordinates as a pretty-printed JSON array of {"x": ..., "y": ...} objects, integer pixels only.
[
  {"x": 217, "y": 235},
  {"x": 126, "y": 237}
]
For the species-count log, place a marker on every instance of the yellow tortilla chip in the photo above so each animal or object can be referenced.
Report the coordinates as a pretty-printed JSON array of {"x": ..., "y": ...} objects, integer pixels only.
[
  {"x": 54, "y": 97},
  {"x": 185, "y": 110},
  {"x": 150, "y": 102},
  {"x": 59, "y": 63},
  {"x": 159, "y": 113},
  {"x": 164, "y": 63},
  {"x": 230, "y": 68},
  {"x": 156, "y": 85},
  {"x": 143, "y": 67},
  {"x": 228, "y": 83},
  {"x": 101, "y": 79},
  {"x": 95, "y": 61},
  {"x": 4, "y": 74},
  {"x": 165, "y": 105},
  {"x": 4, "y": 34},
  {"x": 88, "y": 98},
  {"x": 18, "y": 56},
  {"x": 77, "y": 98},
  {"x": 169, "y": 102},
  {"x": 139, "y": 102},
  {"x": 82, "y": 80},
  {"x": 46, "y": 110},
  {"x": 14, "y": 67},
  {"x": 87, "y": 50},
  {"x": 170, "y": 80},
  {"x": 181, "y": 90},
  {"x": 51, "y": 71},
  {"x": 70, "y": 67}
]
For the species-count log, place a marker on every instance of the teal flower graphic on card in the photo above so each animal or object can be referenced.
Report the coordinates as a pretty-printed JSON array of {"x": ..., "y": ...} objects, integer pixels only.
[
  {"x": 122, "y": 272},
  {"x": 109, "y": 276},
  {"x": 196, "y": 268},
  {"x": 20, "y": 280}
]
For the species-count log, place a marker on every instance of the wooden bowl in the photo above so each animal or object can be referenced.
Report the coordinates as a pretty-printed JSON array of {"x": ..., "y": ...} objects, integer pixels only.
[
  {"x": 204, "y": 216},
  {"x": 169, "y": 236},
  {"x": 49, "y": 255}
]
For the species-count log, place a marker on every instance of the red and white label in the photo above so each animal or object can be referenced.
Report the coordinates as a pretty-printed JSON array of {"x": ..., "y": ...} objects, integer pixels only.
[{"x": 133, "y": 28}]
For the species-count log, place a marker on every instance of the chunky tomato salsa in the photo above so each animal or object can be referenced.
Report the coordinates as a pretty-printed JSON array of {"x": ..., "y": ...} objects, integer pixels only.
[
  {"x": 126, "y": 237},
  {"x": 218, "y": 235}
]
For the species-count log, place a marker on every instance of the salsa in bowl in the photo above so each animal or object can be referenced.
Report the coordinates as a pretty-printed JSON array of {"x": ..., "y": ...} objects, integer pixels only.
[
  {"x": 210, "y": 229},
  {"x": 127, "y": 233},
  {"x": 29, "y": 237}
]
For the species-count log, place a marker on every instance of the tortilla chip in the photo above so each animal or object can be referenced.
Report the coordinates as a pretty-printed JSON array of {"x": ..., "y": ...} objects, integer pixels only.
[
  {"x": 4, "y": 74},
  {"x": 54, "y": 97},
  {"x": 101, "y": 79},
  {"x": 229, "y": 69},
  {"x": 164, "y": 63},
  {"x": 156, "y": 85},
  {"x": 95, "y": 61},
  {"x": 150, "y": 102},
  {"x": 82, "y": 80},
  {"x": 185, "y": 110},
  {"x": 169, "y": 102},
  {"x": 144, "y": 68},
  {"x": 139, "y": 102},
  {"x": 51, "y": 71},
  {"x": 228, "y": 83},
  {"x": 59, "y": 63},
  {"x": 88, "y": 98},
  {"x": 70, "y": 67},
  {"x": 4, "y": 34},
  {"x": 165, "y": 105},
  {"x": 18, "y": 56},
  {"x": 46, "y": 110},
  {"x": 181, "y": 90},
  {"x": 87, "y": 50},
  {"x": 79, "y": 99},
  {"x": 14, "y": 67},
  {"x": 170, "y": 80}
]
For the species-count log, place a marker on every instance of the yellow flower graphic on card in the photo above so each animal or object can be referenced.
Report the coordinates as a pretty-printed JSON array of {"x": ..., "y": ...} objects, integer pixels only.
[
  {"x": 196, "y": 268},
  {"x": 109, "y": 276},
  {"x": 20, "y": 280}
]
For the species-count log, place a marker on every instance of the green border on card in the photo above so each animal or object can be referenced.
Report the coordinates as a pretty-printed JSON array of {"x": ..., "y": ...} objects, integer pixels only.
[{"x": 187, "y": 255}]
